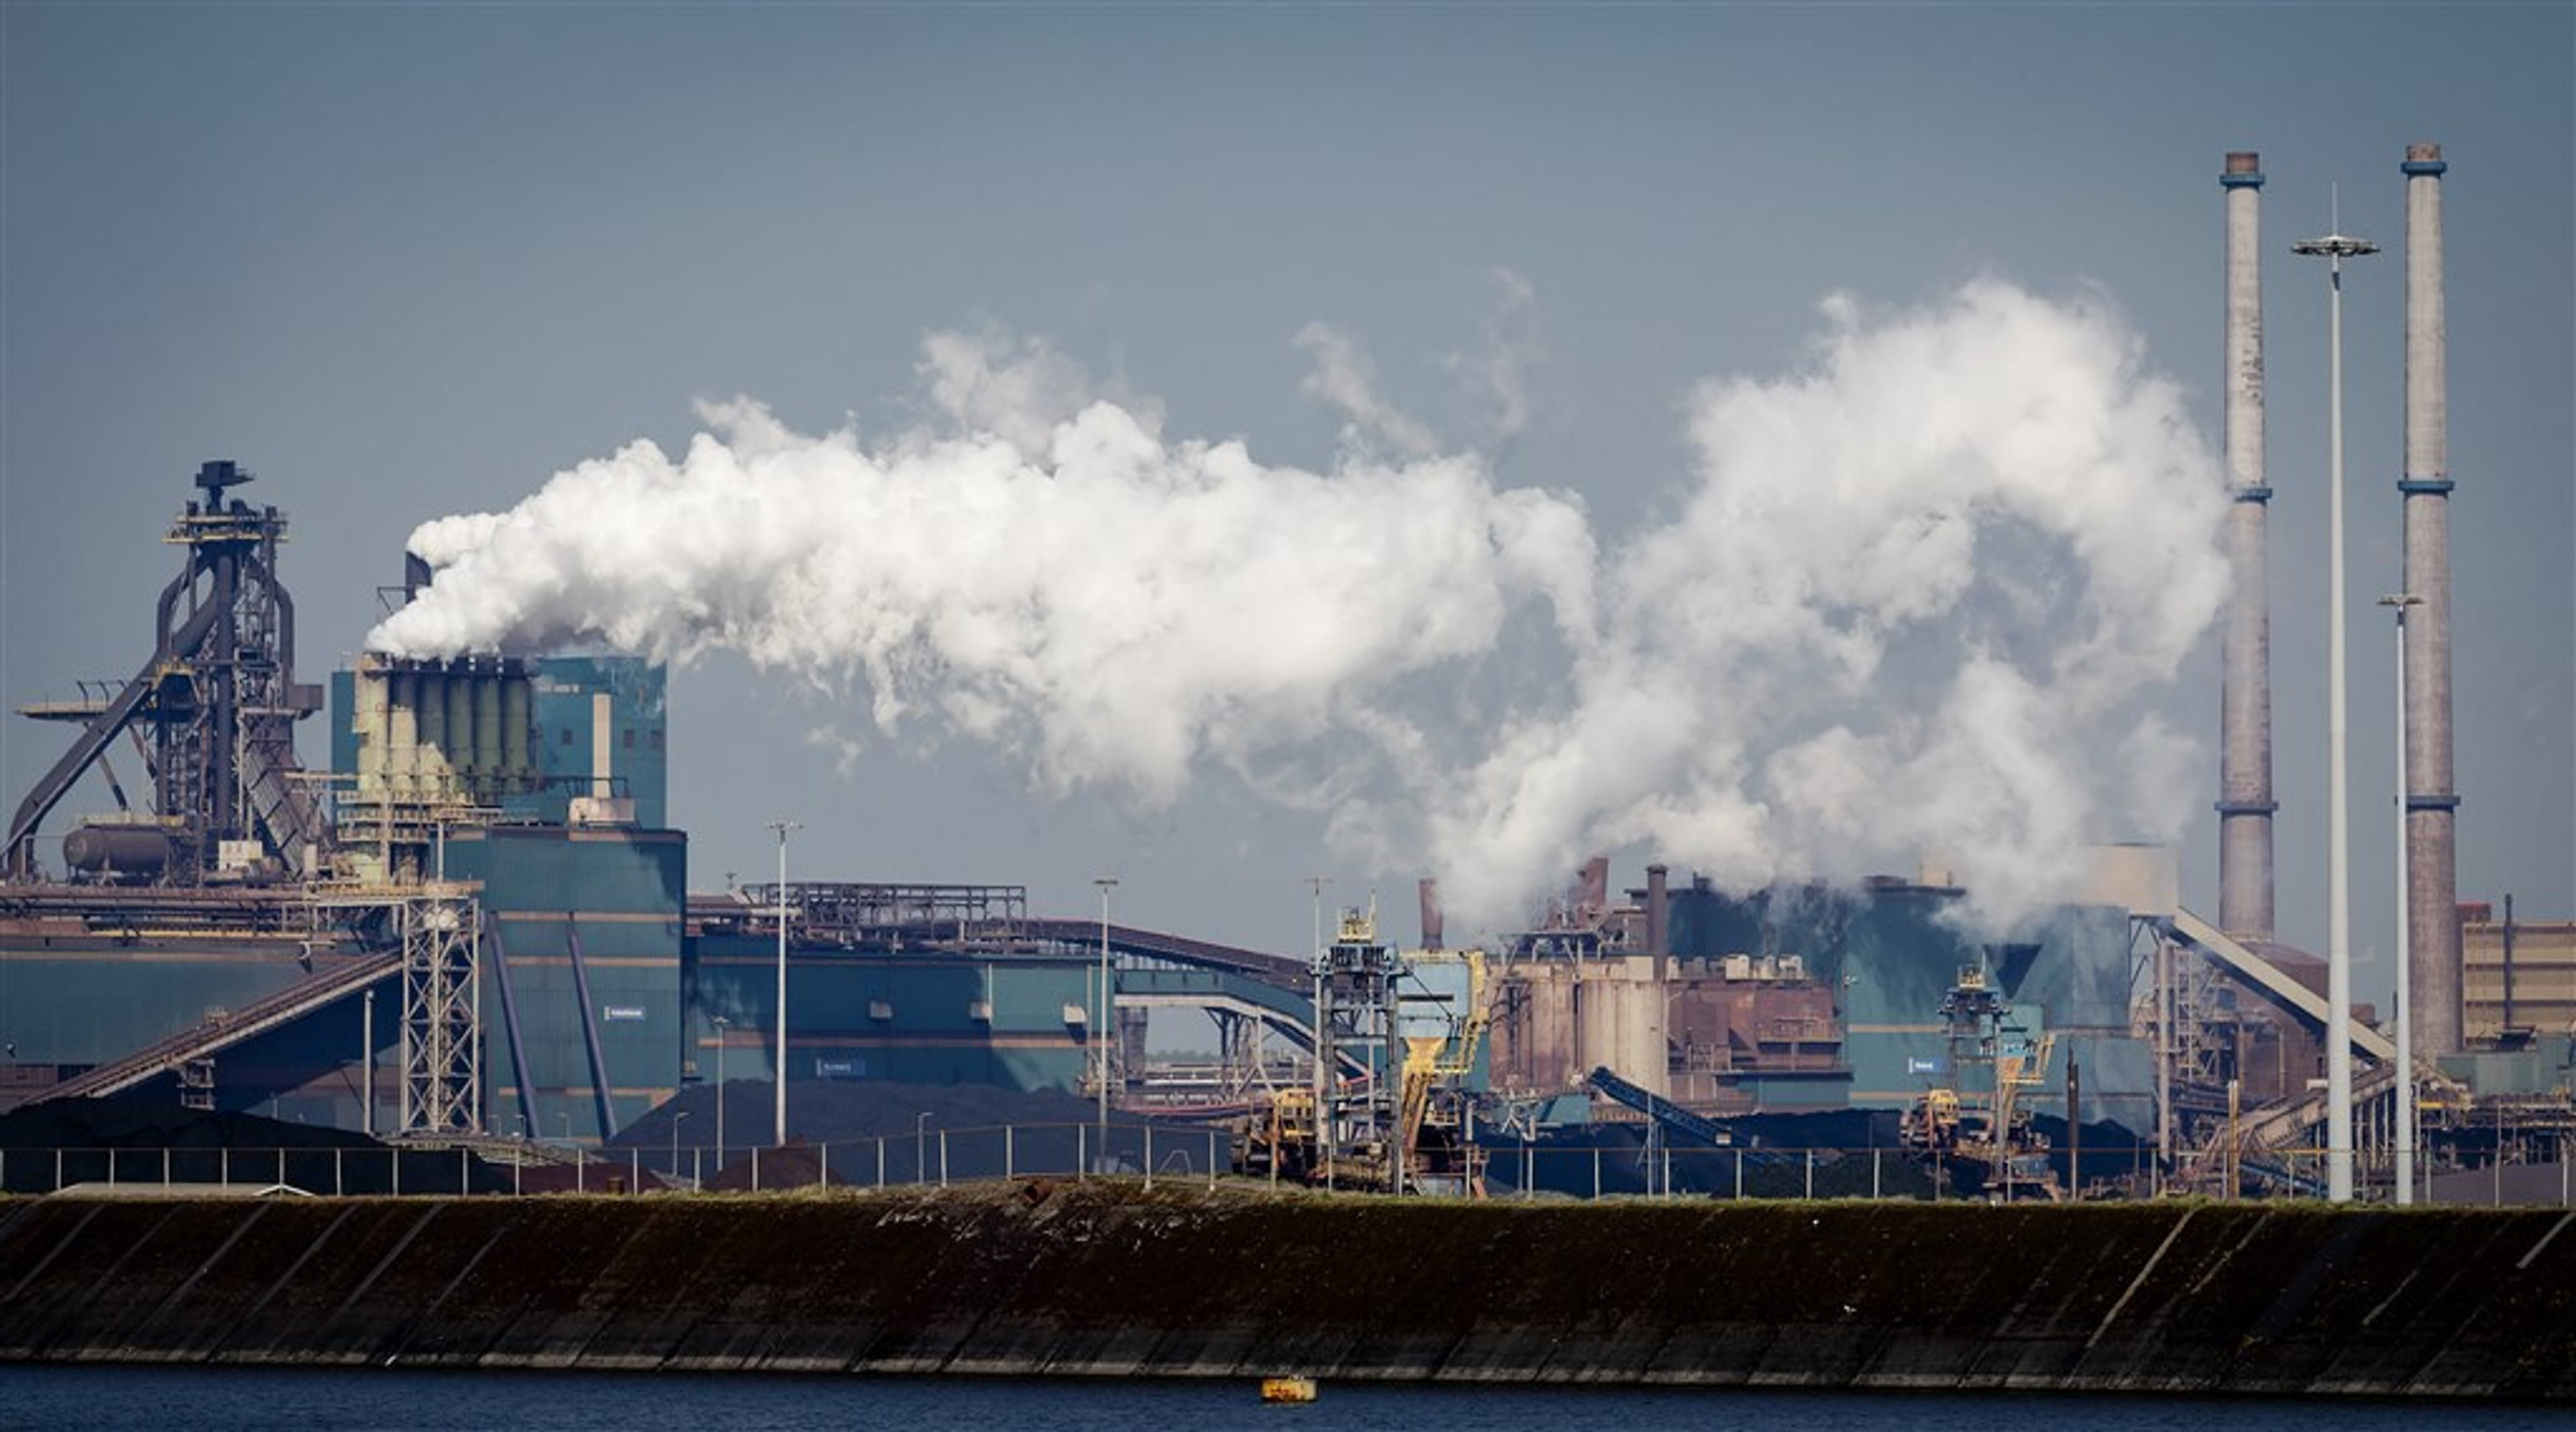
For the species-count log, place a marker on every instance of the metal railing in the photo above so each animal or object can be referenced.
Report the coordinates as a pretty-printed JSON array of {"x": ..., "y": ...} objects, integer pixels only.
[{"x": 930, "y": 1156}]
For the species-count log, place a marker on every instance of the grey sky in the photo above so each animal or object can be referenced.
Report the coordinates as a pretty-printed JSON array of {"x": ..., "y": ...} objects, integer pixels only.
[{"x": 410, "y": 261}]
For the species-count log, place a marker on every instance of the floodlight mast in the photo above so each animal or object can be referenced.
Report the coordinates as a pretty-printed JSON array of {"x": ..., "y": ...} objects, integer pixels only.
[{"x": 2334, "y": 248}]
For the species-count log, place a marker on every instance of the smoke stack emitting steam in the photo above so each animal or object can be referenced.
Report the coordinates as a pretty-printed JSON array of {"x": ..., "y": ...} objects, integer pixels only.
[{"x": 1913, "y": 599}]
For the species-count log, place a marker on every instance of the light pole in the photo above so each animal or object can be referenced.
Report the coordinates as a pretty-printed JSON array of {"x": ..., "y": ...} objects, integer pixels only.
[
  {"x": 782, "y": 827},
  {"x": 722, "y": 1024},
  {"x": 676, "y": 1120},
  {"x": 1108, "y": 1007},
  {"x": 1323, "y": 1115},
  {"x": 920, "y": 1145},
  {"x": 367, "y": 1062},
  {"x": 2399, "y": 602},
  {"x": 2334, "y": 249}
]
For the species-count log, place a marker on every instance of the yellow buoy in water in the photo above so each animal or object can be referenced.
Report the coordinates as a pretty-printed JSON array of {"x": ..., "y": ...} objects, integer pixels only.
[{"x": 1288, "y": 1389}]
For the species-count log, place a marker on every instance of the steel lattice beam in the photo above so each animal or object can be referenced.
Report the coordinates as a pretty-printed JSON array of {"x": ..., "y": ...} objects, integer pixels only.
[{"x": 442, "y": 1013}]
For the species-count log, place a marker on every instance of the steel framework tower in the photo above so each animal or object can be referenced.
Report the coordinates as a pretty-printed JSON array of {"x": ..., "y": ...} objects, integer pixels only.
[
  {"x": 214, "y": 707},
  {"x": 442, "y": 1085}
]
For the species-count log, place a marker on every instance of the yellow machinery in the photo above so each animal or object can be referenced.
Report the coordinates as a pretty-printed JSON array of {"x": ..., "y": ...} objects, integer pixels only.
[
  {"x": 1986, "y": 1135},
  {"x": 1423, "y": 1013},
  {"x": 1431, "y": 1127}
]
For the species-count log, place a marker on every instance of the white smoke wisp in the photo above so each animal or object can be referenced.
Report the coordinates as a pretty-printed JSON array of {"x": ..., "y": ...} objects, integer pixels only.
[
  {"x": 1917, "y": 600},
  {"x": 1345, "y": 378},
  {"x": 1076, "y": 588},
  {"x": 1495, "y": 376},
  {"x": 1913, "y": 605}
]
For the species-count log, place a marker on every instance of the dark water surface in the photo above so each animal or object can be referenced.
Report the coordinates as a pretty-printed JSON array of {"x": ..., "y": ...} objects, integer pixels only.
[{"x": 223, "y": 1399}]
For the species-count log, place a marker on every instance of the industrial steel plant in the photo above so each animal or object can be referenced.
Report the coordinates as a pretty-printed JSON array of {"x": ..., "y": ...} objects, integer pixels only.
[{"x": 475, "y": 927}]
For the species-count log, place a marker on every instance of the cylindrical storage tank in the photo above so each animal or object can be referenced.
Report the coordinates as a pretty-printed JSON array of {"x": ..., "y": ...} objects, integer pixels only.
[
  {"x": 402, "y": 743},
  {"x": 516, "y": 701},
  {"x": 460, "y": 728},
  {"x": 1636, "y": 1033},
  {"x": 1550, "y": 1056},
  {"x": 139, "y": 852},
  {"x": 1596, "y": 1022},
  {"x": 432, "y": 695}
]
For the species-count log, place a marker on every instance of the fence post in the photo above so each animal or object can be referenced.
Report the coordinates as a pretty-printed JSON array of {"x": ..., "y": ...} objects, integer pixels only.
[
  {"x": 223, "y": 1168},
  {"x": 1811, "y": 1174},
  {"x": 395, "y": 1157},
  {"x": 1529, "y": 1167},
  {"x": 1081, "y": 1154},
  {"x": 880, "y": 1161},
  {"x": 1007, "y": 1170},
  {"x": 755, "y": 1162},
  {"x": 464, "y": 1171},
  {"x": 1211, "y": 1160},
  {"x": 339, "y": 1176},
  {"x": 1596, "y": 1174},
  {"x": 1873, "y": 1173},
  {"x": 823, "y": 1166},
  {"x": 1739, "y": 1174},
  {"x": 943, "y": 1158},
  {"x": 1149, "y": 1158}
]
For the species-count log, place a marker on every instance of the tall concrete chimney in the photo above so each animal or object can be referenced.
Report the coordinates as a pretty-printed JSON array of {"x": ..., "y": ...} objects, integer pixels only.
[
  {"x": 2245, "y": 804},
  {"x": 1659, "y": 912},
  {"x": 2432, "y": 806}
]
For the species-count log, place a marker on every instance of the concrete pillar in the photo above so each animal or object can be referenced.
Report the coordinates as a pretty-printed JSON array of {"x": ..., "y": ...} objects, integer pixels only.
[
  {"x": 460, "y": 731},
  {"x": 2245, "y": 803},
  {"x": 402, "y": 744},
  {"x": 2432, "y": 805},
  {"x": 432, "y": 767}
]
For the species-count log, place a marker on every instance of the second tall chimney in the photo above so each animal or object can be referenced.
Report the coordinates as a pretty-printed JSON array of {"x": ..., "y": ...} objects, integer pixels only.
[
  {"x": 2432, "y": 806},
  {"x": 2245, "y": 804}
]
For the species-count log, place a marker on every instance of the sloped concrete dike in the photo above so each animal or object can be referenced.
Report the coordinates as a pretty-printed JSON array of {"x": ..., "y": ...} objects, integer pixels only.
[{"x": 1110, "y": 1279}]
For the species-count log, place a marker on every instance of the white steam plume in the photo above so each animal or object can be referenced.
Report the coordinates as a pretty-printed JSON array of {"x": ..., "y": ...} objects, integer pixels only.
[
  {"x": 1912, "y": 603},
  {"x": 1115, "y": 605},
  {"x": 1908, "y": 608}
]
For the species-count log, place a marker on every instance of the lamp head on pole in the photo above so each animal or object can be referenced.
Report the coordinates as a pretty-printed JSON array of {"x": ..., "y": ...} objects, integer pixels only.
[{"x": 2335, "y": 248}]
